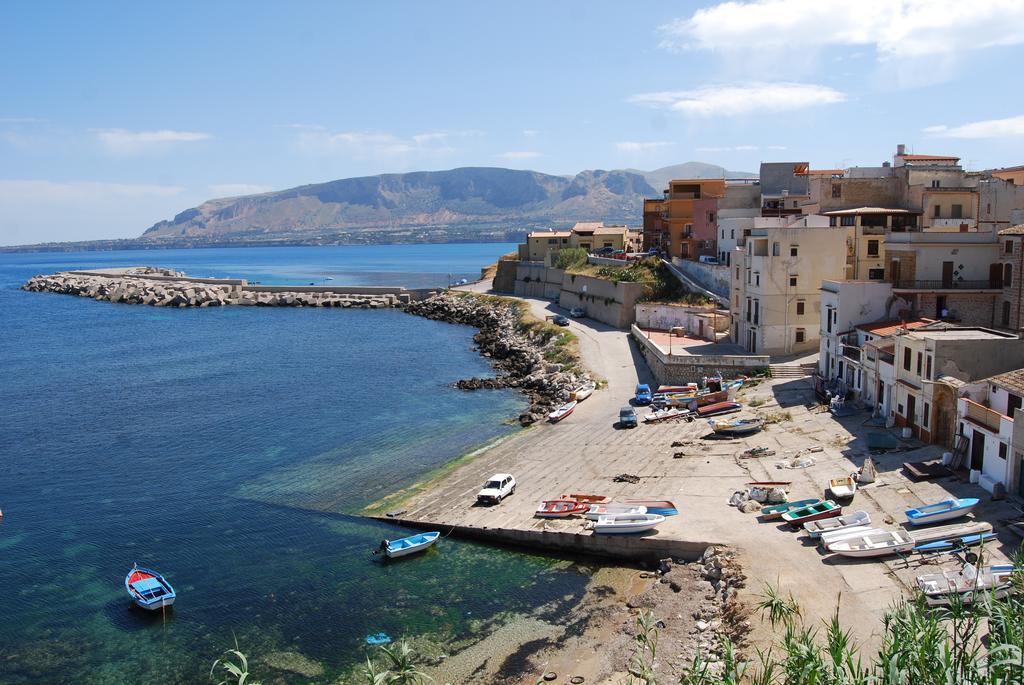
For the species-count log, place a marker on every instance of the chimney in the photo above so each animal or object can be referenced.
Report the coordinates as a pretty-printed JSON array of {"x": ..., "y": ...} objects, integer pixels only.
[{"x": 901, "y": 150}]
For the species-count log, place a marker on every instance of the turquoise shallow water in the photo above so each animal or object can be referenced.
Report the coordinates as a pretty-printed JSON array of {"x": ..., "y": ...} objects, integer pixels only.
[{"x": 227, "y": 447}]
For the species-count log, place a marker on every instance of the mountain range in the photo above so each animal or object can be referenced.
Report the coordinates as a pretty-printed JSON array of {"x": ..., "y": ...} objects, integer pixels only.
[{"x": 467, "y": 200}]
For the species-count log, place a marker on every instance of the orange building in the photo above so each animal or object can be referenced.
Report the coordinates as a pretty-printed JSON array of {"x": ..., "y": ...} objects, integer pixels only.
[{"x": 679, "y": 214}]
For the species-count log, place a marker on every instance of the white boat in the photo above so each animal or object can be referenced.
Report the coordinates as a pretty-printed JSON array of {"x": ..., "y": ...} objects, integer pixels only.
[
  {"x": 563, "y": 411},
  {"x": 827, "y": 539},
  {"x": 409, "y": 545},
  {"x": 584, "y": 391},
  {"x": 596, "y": 511},
  {"x": 877, "y": 544},
  {"x": 857, "y": 518},
  {"x": 626, "y": 523},
  {"x": 665, "y": 414},
  {"x": 941, "y": 511},
  {"x": 938, "y": 588},
  {"x": 843, "y": 488}
]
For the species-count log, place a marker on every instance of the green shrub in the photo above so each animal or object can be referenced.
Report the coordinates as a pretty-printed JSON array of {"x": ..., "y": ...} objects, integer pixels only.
[{"x": 571, "y": 258}]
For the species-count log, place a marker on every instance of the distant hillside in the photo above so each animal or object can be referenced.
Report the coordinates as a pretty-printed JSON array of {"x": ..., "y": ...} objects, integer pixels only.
[
  {"x": 659, "y": 178},
  {"x": 466, "y": 197}
]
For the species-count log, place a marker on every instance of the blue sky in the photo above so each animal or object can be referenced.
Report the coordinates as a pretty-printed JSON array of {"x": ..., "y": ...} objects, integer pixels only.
[{"x": 116, "y": 115}]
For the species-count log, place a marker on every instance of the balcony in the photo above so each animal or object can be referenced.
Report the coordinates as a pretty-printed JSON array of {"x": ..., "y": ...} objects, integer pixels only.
[
  {"x": 851, "y": 352},
  {"x": 903, "y": 284},
  {"x": 950, "y": 225},
  {"x": 981, "y": 415}
]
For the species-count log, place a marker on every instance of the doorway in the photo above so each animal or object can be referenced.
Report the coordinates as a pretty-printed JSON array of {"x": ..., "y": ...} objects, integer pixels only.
[
  {"x": 947, "y": 274},
  {"x": 911, "y": 411},
  {"x": 977, "y": 450}
]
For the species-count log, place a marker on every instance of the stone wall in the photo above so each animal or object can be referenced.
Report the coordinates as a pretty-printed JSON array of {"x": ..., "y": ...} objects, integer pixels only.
[
  {"x": 533, "y": 279},
  {"x": 967, "y": 309},
  {"x": 605, "y": 301},
  {"x": 680, "y": 369},
  {"x": 713, "y": 277},
  {"x": 505, "y": 276}
]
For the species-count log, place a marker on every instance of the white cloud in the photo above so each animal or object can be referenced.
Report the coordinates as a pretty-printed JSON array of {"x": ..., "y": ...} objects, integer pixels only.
[
  {"x": 728, "y": 148},
  {"x": 741, "y": 98},
  {"x": 990, "y": 128},
  {"x": 775, "y": 147},
  {"x": 519, "y": 154},
  {"x": 236, "y": 189},
  {"x": 633, "y": 147},
  {"x": 123, "y": 141},
  {"x": 531, "y": 133},
  {"x": 380, "y": 145},
  {"x": 895, "y": 28}
]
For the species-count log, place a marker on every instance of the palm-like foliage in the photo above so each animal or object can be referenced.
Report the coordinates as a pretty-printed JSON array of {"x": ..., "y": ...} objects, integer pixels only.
[
  {"x": 236, "y": 665},
  {"x": 396, "y": 667}
]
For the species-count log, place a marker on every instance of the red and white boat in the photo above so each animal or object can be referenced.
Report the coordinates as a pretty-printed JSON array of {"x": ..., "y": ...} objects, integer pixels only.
[
  {"x": 560, "y": 508},
  {"x": 563, "y": 411}
]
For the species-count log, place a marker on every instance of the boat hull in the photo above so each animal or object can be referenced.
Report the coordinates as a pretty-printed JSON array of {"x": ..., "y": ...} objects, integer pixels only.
[
  {"x": 932, "y": 513},
  {"x": 816, "y": 528},
  {"x": 629, "y": 524},
  {"x": 416, "y": 544},
  {"x": 157, "y": 606}
]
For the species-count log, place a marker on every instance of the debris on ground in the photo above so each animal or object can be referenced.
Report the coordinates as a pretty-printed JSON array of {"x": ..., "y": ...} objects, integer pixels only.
[
  {"x": 626, "y": 478},
  {"x": 796, "y": 463}
]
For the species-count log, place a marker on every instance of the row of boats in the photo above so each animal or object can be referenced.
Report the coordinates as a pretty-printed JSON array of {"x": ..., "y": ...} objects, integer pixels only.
[
  {"x": 578, "y": 395},
  {"x": 609, "y": 518}
]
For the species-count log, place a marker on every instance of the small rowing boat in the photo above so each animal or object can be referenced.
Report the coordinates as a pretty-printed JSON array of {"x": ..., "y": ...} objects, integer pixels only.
[
  {"x": 581, "y": 497},
  {"x": 410, "y": 545},
  {"x": 827, "y": 539},
  {"x": 877, "y": 544},
  {"x": 736, "y": 426},
  {"x": 941, "y": 511},
  {"x": 665, "y": 414},
  {"x": 598, "y": 510},
  {"x": 768, "y": 483},
  {"x": 584, "y": 391},
  {"x": 149, "y": 589},
  {"x": 624, "y": 524},
  {"x": 560, "y": 509},
  {"x": 842, "y": 488},
  {"x": 718, "y": 408},
  {"x": 951, "y": 544},
  {"x": 812, "y": 512},
  {"x": 969, "y": 583},
  {"x": 563, "y": 411},
  {"x": 654, "y": 506},
  {"x": 857, "y": 518},
  {"x": 776, "y": 511}
]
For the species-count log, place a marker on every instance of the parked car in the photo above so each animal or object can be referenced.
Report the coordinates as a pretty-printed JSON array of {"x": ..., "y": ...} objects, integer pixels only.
[
  {"x": 604, "y": 250},
  {"x": 627, "y": 417},
  {"x": 498, "y": 487},
  {"x": 707, "y": 259},
  {"x": 643, "y": 394},
  {"x": 560, "y": 320},
  {"x": 577, "y": 312}
]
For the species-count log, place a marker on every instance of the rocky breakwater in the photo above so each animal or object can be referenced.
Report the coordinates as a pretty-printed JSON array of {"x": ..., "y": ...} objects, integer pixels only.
[
  {"x": 162, "y": 288},
  {"x": 520, "y": 350}
]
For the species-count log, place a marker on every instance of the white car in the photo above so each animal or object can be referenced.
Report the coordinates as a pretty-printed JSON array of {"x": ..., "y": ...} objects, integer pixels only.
[
  {"x": 577, "y": 312},
  {"x": 498, "y": 487}
]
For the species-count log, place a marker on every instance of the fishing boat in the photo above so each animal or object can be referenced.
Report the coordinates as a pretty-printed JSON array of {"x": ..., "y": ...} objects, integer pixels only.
[
  {"x": 582, "y": 497},
  {"x": 857, "y": 518},
  {"x": 842, "y": 488},
  {"x": 560, "y": 509},
  {"x": 584, "y": 391},
  {"x": 409, "y": 545},
  {"x": 776, "y": 511},
  {"x": 619, "y": 524},
  {"x": 736, "y": 426},
  {"x": 812, "y": 512},
  {"x": 149, "y": 589},
  {"x": 968, "y": 583},
  {"x": 828, "y": 539},
  {"x": 951, "y": 544},
  {"x": 718, "y": 408},
  {"x": 598, "y": 510},
  {"x": 654, "y": 506},
  {"x": 563, "y": 411},
  {"x": 941, "y": 511},
  {"x": 877, "y": 544},
  {"x": 665, "y": 414}
]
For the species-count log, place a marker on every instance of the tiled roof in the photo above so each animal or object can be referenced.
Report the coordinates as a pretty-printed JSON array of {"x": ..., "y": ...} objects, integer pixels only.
[
  {"x": 549, "y": 234},
  {"x": 588, "y": 225},
  {"x": 1011, "y": 380},
  {"x": 1013, "y": 230},
  {"x": 886, "y": 328}
]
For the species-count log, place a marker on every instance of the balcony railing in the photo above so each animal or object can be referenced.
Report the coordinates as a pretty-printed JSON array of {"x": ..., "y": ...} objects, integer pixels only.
[
  {"x": 851, "y": 352},
  {"x": 983, "y": 416},
  {"x": 946, "y": 285}
]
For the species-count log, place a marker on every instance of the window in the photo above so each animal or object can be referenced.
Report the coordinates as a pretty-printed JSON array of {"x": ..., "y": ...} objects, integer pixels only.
[
  {"x": 793, "y": 250},
  {"x": 711, "y": 217},
  {"x": 757, "y": 311},
  {"x": 737, "y": 273},
  {"x": 936, "y": 211},
  {"x": 552, "y": 241},
  {"x": 1012, "y": 402},
  {"x": 757, "y": 279},
  {"x": 935, "y": 183},
  {"x": 1006, "y": 313},
  {"x": 800, "y": 307},
  {"x": 828, "y": 320},
  {"x": 801, "y": 335},
  {"x": 732, "y": 234},
  {"x": 1007, "y": 275},
  {"x": 837, "y": 190},
  {"x": 848, "y": 221},
  {"x": 775, "y": 249},
  {"x": 1002, "y": 451},
  {"x": 748, "y": 276},
  {"x": 957, "y": 211},
  {"x": 1008, "y": 247},
  {"x": 792, "y": 281},
  {"x": 748, "y": 310},
  {"x": 906, "y": 359},
  {"x": 876, "y": 274},
  {"x": 832, "y": 221},
  {"x": 928, "y": 368},
  {"x": 872, "y": 248},
  {"x": 920, "y": 357},
  {"x": 927, "y": 410}
]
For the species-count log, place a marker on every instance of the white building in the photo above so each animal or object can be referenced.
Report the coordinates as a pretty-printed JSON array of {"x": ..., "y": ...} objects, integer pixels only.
[{"x": 985, "y": 412}]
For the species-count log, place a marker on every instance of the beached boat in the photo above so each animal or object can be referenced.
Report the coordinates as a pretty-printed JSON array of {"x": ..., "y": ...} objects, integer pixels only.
[
  {"x": 826, "y": 539},
  {"x": 410, "y": 545},
  {"x": 842, "y": 488},
  {"x": 951, "y": 544},
  {"x": 584, "y": 391},
  {"x": 718, "y": 408},
  {"x": 784, "y": 484},
  {"x": 559, "y": 509},
  {"x": 618, "y": 524},
  {"x": 968, "y": 583},
  {"x": 857, "y": 518},
  {"x": 655, "y": 506},
  {"x": 776, "y": 511},
  {"x": 941, "y": 511},
  {"x": 665, "y": 414},
  {"x": 598, "y": 510},
  {"x": 736, "y": 426},
  {"x": 812, "y": 512},
  {"x": 583, "y": 497},
  {"x": 149, "y": 589},
  {"x": 563, "y": 411},
  {"x": 878, "y": 544}
]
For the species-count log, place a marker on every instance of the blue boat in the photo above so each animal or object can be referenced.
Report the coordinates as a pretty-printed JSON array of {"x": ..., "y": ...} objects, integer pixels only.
[
  {"x": 941, "y": 511},
  {"x": 955, "y": 543},
  {"x": 149, "y": 589},
  {"x": 409, "y": 545}
]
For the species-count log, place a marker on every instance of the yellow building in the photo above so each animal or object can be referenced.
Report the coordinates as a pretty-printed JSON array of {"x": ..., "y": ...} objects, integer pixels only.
[{"x": 589, "y": 235}]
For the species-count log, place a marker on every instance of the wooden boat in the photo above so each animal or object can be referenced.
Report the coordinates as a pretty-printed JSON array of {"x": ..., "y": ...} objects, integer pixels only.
[
  {"x": 654, "y": 506},
  {"x": 597, "y": 510},
  {"x": 560, "y": 508},
  {"x": 665, "y": 414},
  {"x": 768, "y": 483},
  {"x": 676, "y": 389},
  {"x": 718, "y": 408},
  {"x": 941, "y": 511},
  {"x": 149, "y": 589},
  {"x": 952, "y": 530},
  {"x": 827, "y": 539},
  {"x": 563, "y": 411},
  {"x": 951, "y": 544},
  {"x": 812, "y": 512},
  {"x": 410, "y": 545},
  {"x": 776, "y": 511},
  {"x": 620, "y": 524},
  {"x": 584, "y": 391},
  {"x": 581, "y": 497},
  {"x": 857, "y": 518},
  {"x": 736, "y": 426},
  {"x": 842, "y": 488},
  {"x": 877, "y": 544},
  {"x": 969, "y": 583}
]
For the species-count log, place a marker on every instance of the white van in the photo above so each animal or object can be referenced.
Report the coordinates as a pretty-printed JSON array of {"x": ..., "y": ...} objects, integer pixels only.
[{"x": 708, "y": 259}]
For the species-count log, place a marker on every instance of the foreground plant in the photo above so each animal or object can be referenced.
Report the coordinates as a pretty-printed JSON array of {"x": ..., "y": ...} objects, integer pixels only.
[
  {"x": 236, "y": 665},
  {"x": 396, "y": 667}
]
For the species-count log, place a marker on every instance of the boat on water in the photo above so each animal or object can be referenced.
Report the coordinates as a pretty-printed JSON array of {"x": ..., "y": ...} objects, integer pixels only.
[
  {"x": 941, "y": 511},
  {"x": 877, "y": 544},
  {"x": 563, "y": 411},
  {"x": 968, "y": 583},
  {"x": 596, "y": 511},
  {"x": 410, "y": 545},
  {"x": 624, "y": 524},
  {"x": 665, "y": 414},
  {"x": 149, "y": 589},
  {"x": 718, "y": 408},
  {"x": 584, "y": 391},
  {"x": 857, "y": 518},
  {"x": 560, "y": 509},
  {"x": 654, "y": 506},
  {"x": 583, "y": 497},
  {"x": 812, "y": 512},
  {"x": 736, "y": 426},
  {"x": 842, "y": 488},
  {"x": 951, "y": 544},
  {"x": 775, "y": 511}
]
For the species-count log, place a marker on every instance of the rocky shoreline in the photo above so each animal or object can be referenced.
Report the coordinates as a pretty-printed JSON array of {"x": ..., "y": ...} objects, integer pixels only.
[{"x": 516, "y": 350}]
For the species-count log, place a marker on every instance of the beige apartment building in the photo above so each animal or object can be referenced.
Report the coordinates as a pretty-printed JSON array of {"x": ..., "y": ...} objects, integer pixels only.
[{"x": 590, "y": 235}]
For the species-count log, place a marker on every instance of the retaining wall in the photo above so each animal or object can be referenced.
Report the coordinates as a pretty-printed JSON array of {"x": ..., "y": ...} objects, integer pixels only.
[
  {"x": 678, "y": 369},
  {"x": 713, "y": 277}
]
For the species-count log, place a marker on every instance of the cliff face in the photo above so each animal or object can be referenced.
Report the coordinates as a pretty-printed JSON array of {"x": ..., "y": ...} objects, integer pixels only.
[{"x": 466, "y": 196}]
